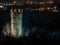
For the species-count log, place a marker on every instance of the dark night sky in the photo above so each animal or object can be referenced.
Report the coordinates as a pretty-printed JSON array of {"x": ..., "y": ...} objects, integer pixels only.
[
  {"x": 24, "y": 0},
  {"x": 5, "y": 1},
  {"x": 4, "y": 18}
]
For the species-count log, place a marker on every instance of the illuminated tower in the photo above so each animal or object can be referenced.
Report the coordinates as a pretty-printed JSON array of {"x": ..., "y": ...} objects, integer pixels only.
[{"x": 16, "y": 22}]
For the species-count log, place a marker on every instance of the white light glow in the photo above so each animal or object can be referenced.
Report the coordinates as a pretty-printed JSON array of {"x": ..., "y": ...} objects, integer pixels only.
[{"x": 1, "y": 6}]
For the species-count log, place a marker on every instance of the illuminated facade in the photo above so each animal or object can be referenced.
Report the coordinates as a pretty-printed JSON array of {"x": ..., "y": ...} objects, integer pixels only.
[
  {"x": 16, "y": 22},
  {"x": 14, "y": 28},
  {"x": 19, "y": 24}
]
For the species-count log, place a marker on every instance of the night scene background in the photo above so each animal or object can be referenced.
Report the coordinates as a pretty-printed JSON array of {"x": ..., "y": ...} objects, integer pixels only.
[{"x": 28, "y": 21}]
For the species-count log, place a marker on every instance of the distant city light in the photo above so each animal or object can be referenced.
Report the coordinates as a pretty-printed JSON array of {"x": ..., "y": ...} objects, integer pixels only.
[
  {"x": 55, "y": 7},
  {"x": 55, "y": 10},
  {"x": 1, "y": 6},
  {"x": 31, "y": 2},
  {"x": 15, "y": 10},
  {"x": 42, "y": 2},
  {"x": 48, "y": 8},
  {"x": 14, "y": 2},
  {"x": 49, "y": 2}
]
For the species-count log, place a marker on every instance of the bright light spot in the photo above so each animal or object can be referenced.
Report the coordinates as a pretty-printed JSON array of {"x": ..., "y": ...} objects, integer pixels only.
[
  {"x": 5, "y": 33},
  {"x": 19, "y": 10},
  {"x": 55, "y": 7},
  {"x": 39, "y": 8},
  {"x": 42, "y": 8},
  {"x": 42, "y": 2},
  {"x": 48, "y": 8},
  {"x": 10, "y": 4},
  {"x": 14, "y": 2},
  {"x": 15, "y": 10},
  {"x": 31, "y": 2},
  {"x": 1, "y": 6},
  {"x": 11, "y": 10}
]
